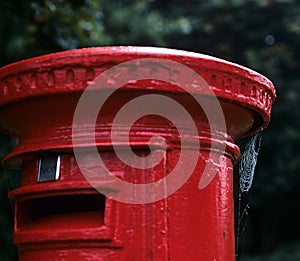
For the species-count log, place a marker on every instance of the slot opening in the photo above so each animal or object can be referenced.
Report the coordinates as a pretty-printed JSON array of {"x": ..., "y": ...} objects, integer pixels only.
[{"x": 61, "y": 212}]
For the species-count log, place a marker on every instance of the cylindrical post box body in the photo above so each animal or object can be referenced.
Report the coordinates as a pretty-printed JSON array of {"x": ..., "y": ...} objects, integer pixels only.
[{"x": 67, "y": 208}]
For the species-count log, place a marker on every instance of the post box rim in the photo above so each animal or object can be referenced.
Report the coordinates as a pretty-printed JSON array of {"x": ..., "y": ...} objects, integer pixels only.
[
  {"x": 136, "y": 52},
  {"x": 87, "y": 58}
]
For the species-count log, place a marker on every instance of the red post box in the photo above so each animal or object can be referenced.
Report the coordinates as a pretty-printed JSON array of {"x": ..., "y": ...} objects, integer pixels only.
[{"x": 67, "y": 208}]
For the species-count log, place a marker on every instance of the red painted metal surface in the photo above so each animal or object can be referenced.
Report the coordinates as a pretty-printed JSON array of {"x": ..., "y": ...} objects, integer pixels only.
[{"x": 67, "y": 219}]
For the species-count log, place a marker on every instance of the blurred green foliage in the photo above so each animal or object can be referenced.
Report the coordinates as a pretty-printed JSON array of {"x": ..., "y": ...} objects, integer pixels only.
[
  {"x": 289, "y": 252},
  {"x": 261, "y": 34}
]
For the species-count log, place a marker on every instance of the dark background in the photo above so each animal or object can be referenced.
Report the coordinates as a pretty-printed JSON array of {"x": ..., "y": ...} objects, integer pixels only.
[{"x": 261, "y": 34}]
